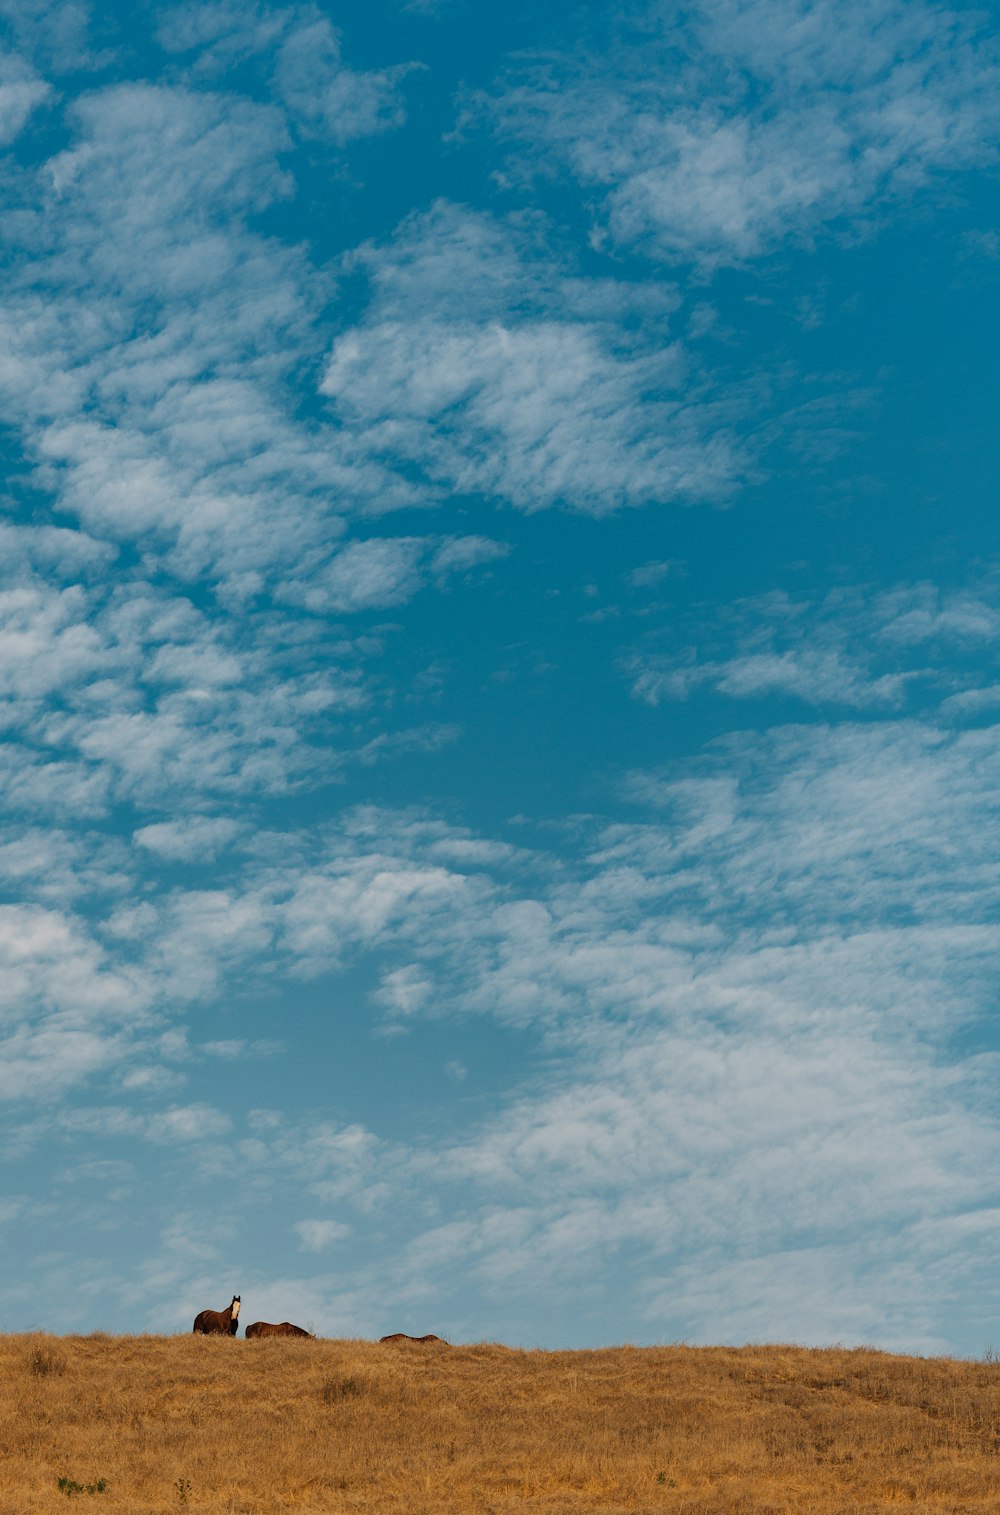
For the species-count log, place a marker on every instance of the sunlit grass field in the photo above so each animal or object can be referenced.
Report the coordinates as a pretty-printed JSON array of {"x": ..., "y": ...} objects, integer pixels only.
[{"x": 183, "y": 1423}]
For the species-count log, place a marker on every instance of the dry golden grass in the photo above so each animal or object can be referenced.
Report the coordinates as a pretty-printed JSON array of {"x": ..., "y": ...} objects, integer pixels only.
[{"x": 191, "y": 1423}]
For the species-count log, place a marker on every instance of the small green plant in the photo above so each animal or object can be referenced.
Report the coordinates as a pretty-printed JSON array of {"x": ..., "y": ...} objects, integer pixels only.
[
  {"x": 70, "y": 1486},
  {"x": 183, "y": 1487}
]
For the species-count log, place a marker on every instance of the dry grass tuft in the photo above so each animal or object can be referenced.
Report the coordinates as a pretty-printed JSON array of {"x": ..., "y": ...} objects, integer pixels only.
[
  {"x": 43, "y": 1361},
  {"x": 343, "y": 1388},
  {"x": 135, "y": 1425}
]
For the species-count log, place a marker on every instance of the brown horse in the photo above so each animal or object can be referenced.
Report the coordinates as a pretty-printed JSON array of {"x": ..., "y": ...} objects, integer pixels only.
[
  {"x": 219, "y": 1322},
  {"x": 265, "y": 1328},
  {"x": 402, "y": 1336}
]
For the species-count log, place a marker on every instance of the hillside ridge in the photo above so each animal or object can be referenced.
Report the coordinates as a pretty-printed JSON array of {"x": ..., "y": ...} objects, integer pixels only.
[{"x": 135, "y": 1424}]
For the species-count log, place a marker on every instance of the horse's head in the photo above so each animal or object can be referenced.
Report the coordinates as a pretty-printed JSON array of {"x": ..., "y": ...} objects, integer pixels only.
[{"x": 235, "y": 1306}]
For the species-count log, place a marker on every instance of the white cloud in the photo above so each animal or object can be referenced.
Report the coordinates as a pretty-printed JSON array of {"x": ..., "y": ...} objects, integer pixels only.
[
  {"x": 197, "y": 838},
  {"x": 648, "y": 575},
  {"x": 53, "y": 867},
  {"x": 330, "y": 100},
  {"x": 176, "y": 1124},
  {"x": 749, "y": 997},
  {"x": 236, "y": 1048},
  {"x": 152, "y": 379},
  {"x": 131, "y": 691},
  {"x": 405, "y": 991},
  {"x": 923, "y": 614},
  {"x": 719, "y": 136},
  {"x": 377, "y": 572},
  {"x": 356, "y": 899},
  {"x": 50, "y": 1056},
  {"x": 147, "y": 1079},
  {"x": 773, "y": 881},
  {"x": 156, "y": 368},
  {"x": 755, "y": 990},
  {"x": 319, "y": 1235},
  {"x": 54, "y": 33},
  {"x": 856, "y": 647},
  {"x": 50, "y": 960},
  {"x": 301, "y": 53},
  {"x": 973, "y": 701},
  {"x": 747, "y": 1004},
  {"x": 69, "y": 554},
  {"x": 46, "y": 642},
  {"x": 221, "y": 35},
  {"x": 814, "y": 676},
  {"x": 187, "y": 1123},
  {"x": 487, "y": 366},
  {"x": 20, "y": 94},
  {"x": 459, "y": 554},
  {"x": 851, "y": 821}
]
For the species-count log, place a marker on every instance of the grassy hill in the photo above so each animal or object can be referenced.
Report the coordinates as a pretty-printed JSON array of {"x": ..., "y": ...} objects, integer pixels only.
[{"x": 148, "y": 1423}]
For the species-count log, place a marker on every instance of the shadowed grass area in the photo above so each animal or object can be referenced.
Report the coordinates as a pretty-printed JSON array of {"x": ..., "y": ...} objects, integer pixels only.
[{"x": 149, "y": 1423}]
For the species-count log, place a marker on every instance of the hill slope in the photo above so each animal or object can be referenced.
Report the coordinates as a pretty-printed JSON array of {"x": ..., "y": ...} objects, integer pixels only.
[{"x": 214, "y": 1424}]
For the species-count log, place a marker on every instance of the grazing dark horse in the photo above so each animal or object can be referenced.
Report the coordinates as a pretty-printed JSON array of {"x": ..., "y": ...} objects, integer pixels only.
[
  {"x": 219, "y": 1322},
  {"x": 402, "y": 1336},
  {"x": 265, "y": 1328}
]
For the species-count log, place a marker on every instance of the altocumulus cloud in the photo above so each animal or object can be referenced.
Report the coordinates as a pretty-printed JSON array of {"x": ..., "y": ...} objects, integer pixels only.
[
  {"x": 325, "y": 378},
  {"x": 497, "y": 371},
  {"x": 733, "y": 1072},
  {"x": 722, "y": 132}
]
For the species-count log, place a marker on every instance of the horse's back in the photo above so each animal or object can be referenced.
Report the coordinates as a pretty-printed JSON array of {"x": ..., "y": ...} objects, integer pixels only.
[
  {"x": 284, "y": 1328},
  {"x": 213, "y": 1323},
  {"x": 402, "y": 1336}
]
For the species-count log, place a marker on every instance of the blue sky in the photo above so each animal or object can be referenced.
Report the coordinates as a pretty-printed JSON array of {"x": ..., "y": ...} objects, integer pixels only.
[{"x": 499, "y": 688}]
